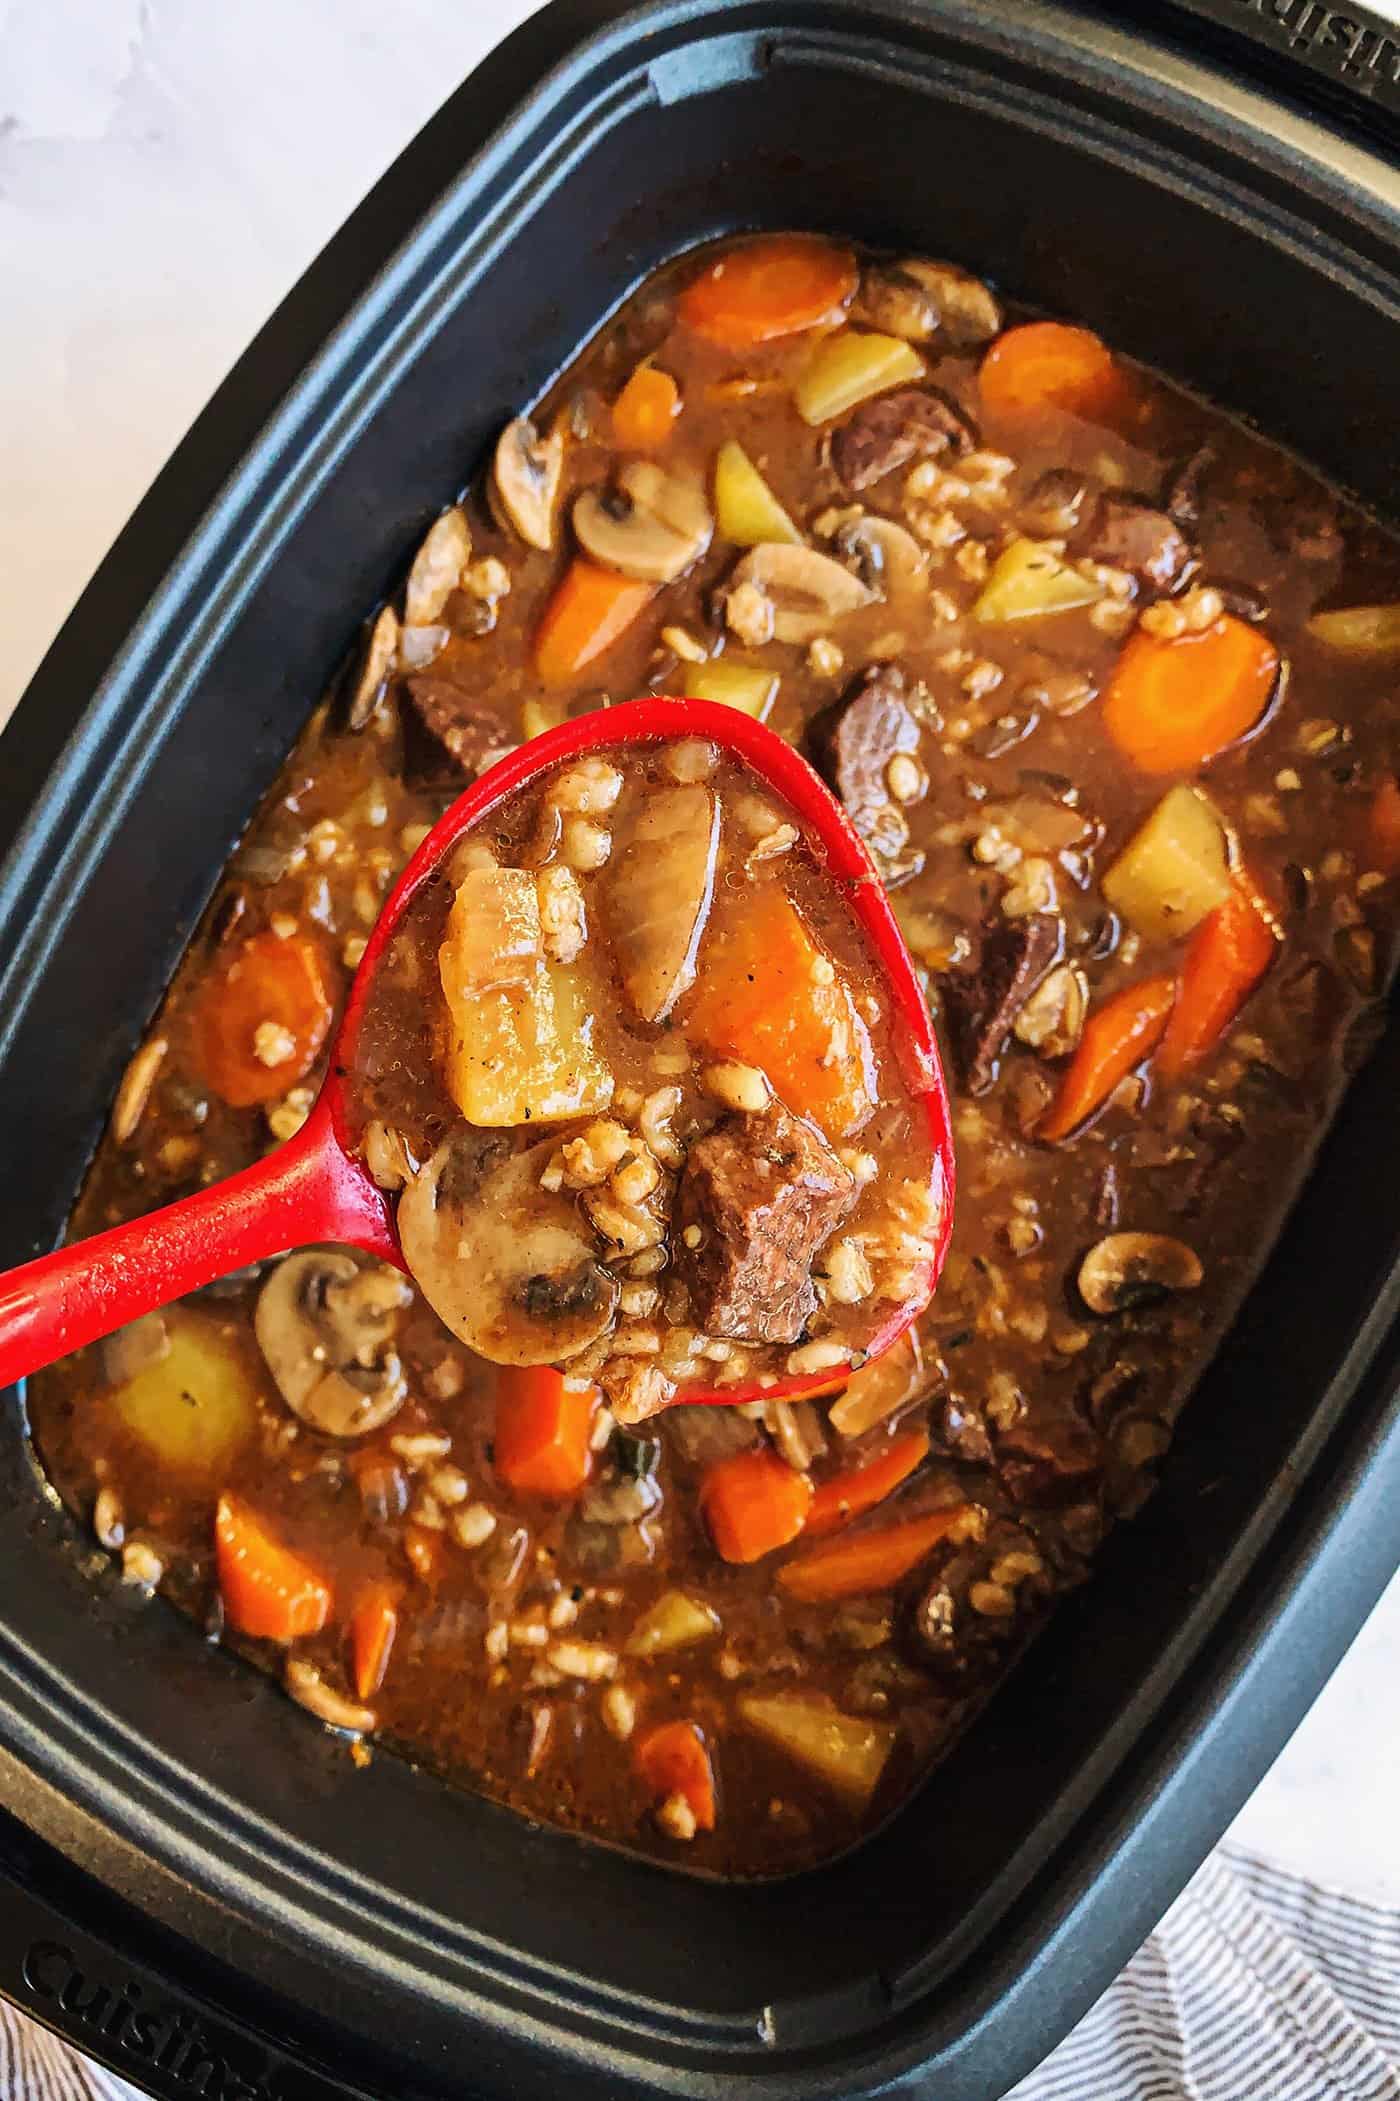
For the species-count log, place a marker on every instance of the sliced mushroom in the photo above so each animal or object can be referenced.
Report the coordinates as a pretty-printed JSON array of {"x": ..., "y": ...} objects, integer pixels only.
[
  {"x": 1056, "y": 502},
  {"x": 924, "y": 301},
  {"x": 888, "y": 560},
  {"x": 1052, "y": 1019},
  {"x": 326, "y": 1324},
  {"x": 807, "y": 591},
  {"x": 134, "y": 1348},
  {"x": 621, "y": 1499},
  {"x": 659, "y": 893},
  {"x": 373, "y": 668},
  {"x": 310, "y": 1690},
  {"x": 1128, "y": 1270},
  {"x": 437, "y": 569},
  {"x": 651, "y": 525},
  {"x": 525, "y": 476},
  {"x": 507, "y": 1265},
  {"x": 419, "y": 645}
]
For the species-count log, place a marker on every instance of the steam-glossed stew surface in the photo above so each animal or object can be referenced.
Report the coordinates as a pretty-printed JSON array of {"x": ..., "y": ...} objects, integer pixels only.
[{"x": 1108, "y": 686}]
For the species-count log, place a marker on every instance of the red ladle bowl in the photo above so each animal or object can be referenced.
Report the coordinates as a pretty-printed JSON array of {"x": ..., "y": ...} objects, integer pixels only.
[{"x": 314, "y": 1188}]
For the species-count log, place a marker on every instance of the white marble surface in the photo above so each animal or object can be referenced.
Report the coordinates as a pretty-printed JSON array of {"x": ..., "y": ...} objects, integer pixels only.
[{"x": 167, "y": 170}]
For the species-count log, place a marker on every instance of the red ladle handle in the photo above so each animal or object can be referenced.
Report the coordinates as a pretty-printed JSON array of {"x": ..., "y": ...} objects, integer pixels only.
[{"x": 304, "y": 1192}]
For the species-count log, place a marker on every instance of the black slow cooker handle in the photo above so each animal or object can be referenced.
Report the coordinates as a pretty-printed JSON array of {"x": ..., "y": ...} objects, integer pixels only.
[{"x": 1343, "y": 61}]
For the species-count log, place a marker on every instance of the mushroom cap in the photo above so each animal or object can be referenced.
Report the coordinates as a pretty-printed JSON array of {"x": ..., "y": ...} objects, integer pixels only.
[
  {"x": 806, "y": 590},
  {"x": 373, "y": 669},
  {"x": 509, "y": 1266},
  {"x": 1136, "y": 1269},
  {"x": 525, "y": 476},
  {"x": 889, "y": 560},
  {"x": 921, "y": 299},
  {"x": 437, "y": 569},
  {"x": 651, "y": 526},
  {"x": 324, "y": 1323}
]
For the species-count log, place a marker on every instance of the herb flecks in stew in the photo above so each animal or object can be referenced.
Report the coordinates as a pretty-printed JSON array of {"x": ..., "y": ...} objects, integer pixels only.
[{"x": 1108, "y": 685}]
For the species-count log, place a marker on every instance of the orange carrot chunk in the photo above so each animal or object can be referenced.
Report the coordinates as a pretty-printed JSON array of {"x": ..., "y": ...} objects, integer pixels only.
[
  {"x": 261, "y": 1017},
  {"x": 1172, "y": 704},
  {"x": 373, "y": 1626},
  {"x": 591, "y": 609},
  {"x": 860, "y": 1488},
  {"x": 645, "y": 410},
  {"x": 542, "y": 1432},
  {"x": 1048, "y": 365},
  {"x": 874, "y": 1561},
  {"x": 674, "y": 1760},
  {"x": 1383, "y": 828},
  {"x": 268, "y": 1590},
  {"x": 753, "y": 1503},
  {"x": 1230, "y": 951},
  {"x": 765, "y": 996},
  {"x": 1119, "y": 1035},
  {"x": 767, "y": 289}
]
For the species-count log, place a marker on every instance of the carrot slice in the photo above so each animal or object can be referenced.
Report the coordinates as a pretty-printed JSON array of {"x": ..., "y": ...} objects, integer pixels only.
[
  {"x": 753, "y": 1503},
  {"x": 591, "y": 608},
  {"x": 1119, "y": 1035},
  {"x": 1383, "y": 828},
  {"x": 268, "y": 1590},
  {"x": 1172, "y": 704},
  {"x": 859, "y": 1488},
  {"x": 1048, "y": 365},
  {"x": 675, "y": 1760},
  {"x": 874, "y": 1561},
  {"x": 645, "y": 410},
  {"x": 261, "y": 1017},
  {"x": 1230, "y": 951},
  {"x": 765, "y": 994},
  {"x": 373, "y": 1626},
  {"x": 542, "y": 1432},
  {"x": 767, "y": 289}
]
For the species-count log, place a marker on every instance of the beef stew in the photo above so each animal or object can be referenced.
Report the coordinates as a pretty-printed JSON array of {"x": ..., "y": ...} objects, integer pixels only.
[{"x": 1053, "y": 630}]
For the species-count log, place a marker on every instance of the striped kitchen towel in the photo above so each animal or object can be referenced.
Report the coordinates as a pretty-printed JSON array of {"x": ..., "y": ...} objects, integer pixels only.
[{"x": 1255, "y": 1987}]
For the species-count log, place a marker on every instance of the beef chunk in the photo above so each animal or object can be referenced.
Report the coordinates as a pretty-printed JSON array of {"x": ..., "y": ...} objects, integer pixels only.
[
  {"x": 982, "y": 1004},
  {"x": 1181, "y": 496},
  {"x": 1050, "y": 1461},
  {"x": 765, "y": 1191},
  {"x": 1243, "y": 600},
  {"x": 1129, "y": 534},
  {"x": 915, "y": 423},
  {"x": 853, "y": 743},
  {"x": 464, "y": 735}
]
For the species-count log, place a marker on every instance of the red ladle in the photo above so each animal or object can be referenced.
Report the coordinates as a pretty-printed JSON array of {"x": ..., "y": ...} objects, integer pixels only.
[{"x": 314, "y": 1188}]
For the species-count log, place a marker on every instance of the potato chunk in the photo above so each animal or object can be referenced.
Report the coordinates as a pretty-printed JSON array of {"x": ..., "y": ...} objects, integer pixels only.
[
  {"x": 847, "y": 1751},
  {"x": 1174, "y": 870},
  {"x": 1029, "y": 581},
  {"x": 520, "y": 1047},
  {"x": 195, "y": 1407},
  {"x": 746, "y": 510},
  {"x": 1368, "y": 633},
  {"x": 749, "y": 687},
  {"x": 849, "y": 368},
  {"x": 675, "y": 1621}
]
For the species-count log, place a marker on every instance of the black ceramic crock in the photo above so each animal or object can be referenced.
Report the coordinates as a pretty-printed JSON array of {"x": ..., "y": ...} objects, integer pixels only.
[{"x": 195, "y": 1883}]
